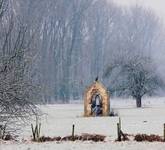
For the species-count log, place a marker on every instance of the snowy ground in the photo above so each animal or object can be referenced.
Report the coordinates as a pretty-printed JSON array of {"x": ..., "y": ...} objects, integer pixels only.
[{"x": 58, "y": 120}]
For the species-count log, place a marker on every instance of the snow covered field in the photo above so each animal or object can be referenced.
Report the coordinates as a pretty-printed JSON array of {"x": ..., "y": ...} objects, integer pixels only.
[{"x": 58, "y": 120}]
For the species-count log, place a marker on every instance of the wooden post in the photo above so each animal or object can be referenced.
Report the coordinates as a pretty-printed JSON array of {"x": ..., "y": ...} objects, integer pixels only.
[
  {"x": 120, "y": 123},
  {"x": 0, "y": 132},
  {"x": 73, "y": 127},
  {"x": 36, "y": 131},
  {"x": 33, "y": 132},
  {"x": 164, "y": 133},
  {"x": 118, "y": 132}
]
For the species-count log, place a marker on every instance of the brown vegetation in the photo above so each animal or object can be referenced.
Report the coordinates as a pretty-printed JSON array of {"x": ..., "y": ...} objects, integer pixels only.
[
  {"x": 83, "y": 137},
  {"x": 149, "y": 138}
]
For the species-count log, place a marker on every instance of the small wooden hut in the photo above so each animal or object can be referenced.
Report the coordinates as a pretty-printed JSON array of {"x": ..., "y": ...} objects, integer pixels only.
[{"x": 96, "y": 89}]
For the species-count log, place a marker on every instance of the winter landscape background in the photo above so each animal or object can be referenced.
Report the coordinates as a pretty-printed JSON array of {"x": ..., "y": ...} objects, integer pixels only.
[
  {"x": 52, "y": 50},
  {"x": 58, "y": 120},
  {"x": 65, "y": 45}
]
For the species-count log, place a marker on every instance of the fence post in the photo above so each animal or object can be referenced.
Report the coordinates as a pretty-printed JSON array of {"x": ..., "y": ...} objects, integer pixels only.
[
  {"x": 164, "y": 132},
  {"x": 120, "y": 123},
  {"x": 0, "y": 131},
  {"x": 36, "y": 131},
  {"x": 118, "y": 132},
  {"x": 73, "y": 128}
]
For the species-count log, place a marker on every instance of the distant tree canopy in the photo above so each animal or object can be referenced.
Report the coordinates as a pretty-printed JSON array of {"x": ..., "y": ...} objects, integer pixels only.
[{"x": 66, "y": 44}]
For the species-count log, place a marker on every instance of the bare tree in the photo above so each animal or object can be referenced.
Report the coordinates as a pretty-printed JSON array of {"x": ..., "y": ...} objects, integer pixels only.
[
  {"x": 135, "y": 77},
  {"x": 133, "y": 66},
  {"x": 18, "y": 92},
  {"x": 3, "y": 7}
]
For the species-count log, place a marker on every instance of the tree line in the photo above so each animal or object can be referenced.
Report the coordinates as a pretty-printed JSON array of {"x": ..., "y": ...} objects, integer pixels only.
[{"x": 58, "y": 47}]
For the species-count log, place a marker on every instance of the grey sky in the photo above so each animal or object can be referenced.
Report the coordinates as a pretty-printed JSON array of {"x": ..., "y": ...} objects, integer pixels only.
[{"x": 157, "y": 5}]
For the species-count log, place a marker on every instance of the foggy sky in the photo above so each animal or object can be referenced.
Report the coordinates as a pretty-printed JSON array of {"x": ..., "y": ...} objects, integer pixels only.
[{"x": 156, "y": 5}]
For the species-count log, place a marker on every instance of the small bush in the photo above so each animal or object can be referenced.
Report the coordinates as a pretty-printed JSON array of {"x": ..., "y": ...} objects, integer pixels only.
[
  {"x": 149, "y": 138},
  {"x": 83, "y": 137},
  {"x": 93, "y": 137},
  {"x": 8, "y": 137},
  {"x": 49, "y": 139}
]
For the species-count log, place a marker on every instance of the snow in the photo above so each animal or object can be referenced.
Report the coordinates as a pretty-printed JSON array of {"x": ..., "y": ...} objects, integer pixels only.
[
  {"x": 58, "y": 120},
  {"x": 86, "y": 146}
]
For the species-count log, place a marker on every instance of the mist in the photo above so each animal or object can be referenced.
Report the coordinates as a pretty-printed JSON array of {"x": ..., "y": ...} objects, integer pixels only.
[{"x": 65, "y": 44}]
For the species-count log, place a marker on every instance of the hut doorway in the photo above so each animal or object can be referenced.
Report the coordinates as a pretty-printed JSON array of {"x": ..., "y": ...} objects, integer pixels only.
[{"x": 96, "y": 106}]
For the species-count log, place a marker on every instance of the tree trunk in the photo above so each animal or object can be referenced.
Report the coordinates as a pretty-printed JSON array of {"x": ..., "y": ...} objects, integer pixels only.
[{"x": 138, "y": 102}]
